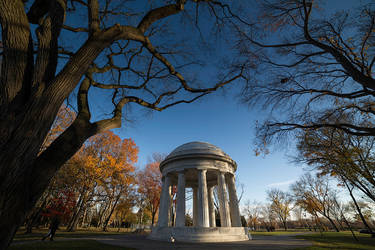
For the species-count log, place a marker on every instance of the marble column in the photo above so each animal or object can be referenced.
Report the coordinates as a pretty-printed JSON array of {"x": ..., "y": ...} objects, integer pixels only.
[
  {"x": 195, "y": 206},
  {"x": 233, "y": 202},
  {"x": 203, "y": 220},
  {"x": 165, "y": 202},
  {"x": 222, "y": 192},
  {"x": 180, "y": 210},
  {"x": 211, "y": 207},
  {"x": 162, "y": 203}
]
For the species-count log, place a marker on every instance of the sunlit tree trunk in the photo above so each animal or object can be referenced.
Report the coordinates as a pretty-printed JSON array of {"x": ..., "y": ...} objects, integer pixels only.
[{"x": 108, "y": 217}]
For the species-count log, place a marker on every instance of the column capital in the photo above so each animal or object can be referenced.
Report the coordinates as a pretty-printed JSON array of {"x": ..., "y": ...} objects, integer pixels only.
[
  {"x": 222, "y": 172},
  {"x": 231, "y": 175},
  {"x": 201, "y": 171}
]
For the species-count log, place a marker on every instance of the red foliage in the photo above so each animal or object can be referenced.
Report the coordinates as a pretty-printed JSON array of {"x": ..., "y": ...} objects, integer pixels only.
[
  {"x": 61, "y": 206},
  {"x": 149, "y": 181}
]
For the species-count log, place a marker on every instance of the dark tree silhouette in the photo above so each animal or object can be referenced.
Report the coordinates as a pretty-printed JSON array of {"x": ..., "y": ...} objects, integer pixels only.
[
  {"x": 310, "y": 65},
  {"x": 132, "y": 52}
]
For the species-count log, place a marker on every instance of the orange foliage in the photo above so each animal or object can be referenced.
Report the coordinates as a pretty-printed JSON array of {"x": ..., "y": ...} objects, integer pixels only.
[
  {"x": 149, "y": 181},
  {"x": 149, "y": 186},
  {"x": 105, "y": 158}
]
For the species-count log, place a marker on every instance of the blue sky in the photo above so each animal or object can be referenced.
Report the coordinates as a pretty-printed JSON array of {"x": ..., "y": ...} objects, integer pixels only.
[
  {"x": 222, "y": 121},
  {"x": 218, "y": 119}
]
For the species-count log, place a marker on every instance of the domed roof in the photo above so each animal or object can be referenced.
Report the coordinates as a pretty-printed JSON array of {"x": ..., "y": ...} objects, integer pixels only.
[
  {"x": 197, "y": 150},
  {"x": 197, "y": 147}
]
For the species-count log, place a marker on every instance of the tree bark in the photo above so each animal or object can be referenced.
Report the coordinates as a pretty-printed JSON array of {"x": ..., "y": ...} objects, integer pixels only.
[
  {"x": 84, "y": 217},
  {"x": 72, "y": 225},
  {"x": 105, "y": 223},
  {"x": 35, "y": 215},
  {"x": 285, "y": 226},
  {"x": 153, "y": 214}
]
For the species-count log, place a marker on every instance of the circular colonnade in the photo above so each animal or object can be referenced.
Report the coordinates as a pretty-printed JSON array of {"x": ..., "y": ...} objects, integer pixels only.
[{"x": 200, "y": 166}]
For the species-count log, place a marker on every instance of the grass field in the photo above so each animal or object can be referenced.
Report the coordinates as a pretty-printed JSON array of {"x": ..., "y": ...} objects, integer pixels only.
[
  {"x": 328, "y": 240},
  {"x": 37, "y": 234},
  {"x": 66, "y": 244},
  {"x": 341, "y": 240},
  {"x": 275, "y": 233},
  {"x": 64, "y": 240}
]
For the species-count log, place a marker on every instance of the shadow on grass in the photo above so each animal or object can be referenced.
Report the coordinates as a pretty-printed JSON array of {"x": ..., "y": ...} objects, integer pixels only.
[
  {"x": 279, "y": 233},
  {"x": 37, "y": 234},
  {"x": 63, "y": 245},
  {"x": 340, "y": 240}
]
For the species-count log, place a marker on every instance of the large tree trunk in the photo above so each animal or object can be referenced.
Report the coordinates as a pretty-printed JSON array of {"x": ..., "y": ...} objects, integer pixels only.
[
  {"x": 102, "y": 211},
  {"x": 19, "y": 194},
  {"x": 105, "y": 223},
  {"x": 72, "y": 225},
  {"x": 35, "y": 214},
  {"x": 30, "y": 96},
  {"x": 24, "y": 174}
]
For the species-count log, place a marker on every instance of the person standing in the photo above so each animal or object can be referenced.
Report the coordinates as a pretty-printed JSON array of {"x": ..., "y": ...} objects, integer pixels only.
[{"x": 52, "y": 228}]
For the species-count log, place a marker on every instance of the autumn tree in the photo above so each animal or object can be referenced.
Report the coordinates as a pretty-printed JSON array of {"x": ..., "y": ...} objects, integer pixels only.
[
  {"x": 349, "y": 158},
  {"x": 269, "y": 217},
  {"x": 100, "y": 174},
  {"x": 307, "y": 64},
  {"x": 149, "y": 186},
  {"x": 253, "y": 211},
  {"x": 103, "y": 167},
  {"x": 367, "y": 212},
  {"x": 60, "y": 205},
  {"x": 128, "y": 52},
  {"x": 316, "y": 196},
  {"x": 339, "y": 211},
  {"x": 281, "y": 205},
  {"x": 123, "y": 210}
]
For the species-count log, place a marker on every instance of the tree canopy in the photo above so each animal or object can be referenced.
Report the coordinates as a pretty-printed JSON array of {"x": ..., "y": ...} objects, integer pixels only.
[
  {"x": 311, "y": 64},
  {"x": 111, "y": 54}
]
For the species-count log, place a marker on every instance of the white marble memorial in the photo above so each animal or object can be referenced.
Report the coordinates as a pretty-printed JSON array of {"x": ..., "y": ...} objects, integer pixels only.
[{"x": 200, "y": 166}]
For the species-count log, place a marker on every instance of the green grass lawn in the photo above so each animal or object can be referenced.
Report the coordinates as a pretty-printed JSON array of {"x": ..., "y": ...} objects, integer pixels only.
[
  {"x": 66, "y": 244},
  {"x": 327, "y": 240},
  {"x": 341, "y": 240}
]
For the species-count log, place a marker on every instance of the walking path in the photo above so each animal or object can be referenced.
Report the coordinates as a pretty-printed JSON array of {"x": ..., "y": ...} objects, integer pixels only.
[{"x": 259, "y": 242}]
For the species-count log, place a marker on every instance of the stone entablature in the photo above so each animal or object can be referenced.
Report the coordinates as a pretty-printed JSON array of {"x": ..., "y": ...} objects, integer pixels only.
[{"x": 201, "y": 166}]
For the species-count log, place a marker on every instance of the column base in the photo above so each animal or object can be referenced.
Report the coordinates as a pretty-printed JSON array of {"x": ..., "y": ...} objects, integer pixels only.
[{"x": 200, "y": 234}]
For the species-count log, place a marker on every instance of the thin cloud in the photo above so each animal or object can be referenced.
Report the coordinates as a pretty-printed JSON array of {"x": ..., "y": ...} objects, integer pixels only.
[{"x": 283, "y": 183}]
